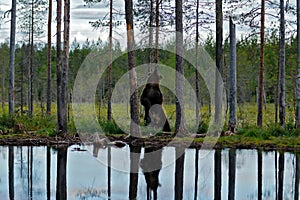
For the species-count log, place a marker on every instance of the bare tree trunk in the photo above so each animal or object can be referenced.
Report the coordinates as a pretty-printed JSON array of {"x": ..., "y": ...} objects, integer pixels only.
[
  {"x": 31, "y": 60},
  {"x": 261, "y": 70},
  {"x": 65, "y": 67},
  {"x": 277, "y": 91},
  {"x": 134, "y": 101},
  {"x": 49, "y": 93},
  {"x": 180, "y": 118},
  {"x": 219, "y": 53},
  {"x": 150, "y": 37},
  {"x": 110, "y": 63},
  {"x": 232, "y": 92},
  {"x": 11, "y": 94},
  {"x": 297, "y": 123},
  {"x": 197, "y": 66},
  {"x": 282, "y": 66},
  {"x": 157, "y": 30},
  {"x": 3, "y": 88},
  {"x": 29, "y": 75},
  {"x": 58, "y": 66}
]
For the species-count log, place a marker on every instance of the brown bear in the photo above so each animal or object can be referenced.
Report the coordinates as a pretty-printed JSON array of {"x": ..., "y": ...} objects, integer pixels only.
[{"x": 152, "y": 100}]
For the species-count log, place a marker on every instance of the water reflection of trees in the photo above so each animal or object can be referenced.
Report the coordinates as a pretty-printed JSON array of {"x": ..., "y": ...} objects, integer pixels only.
[{"x": 24, "y": 174}]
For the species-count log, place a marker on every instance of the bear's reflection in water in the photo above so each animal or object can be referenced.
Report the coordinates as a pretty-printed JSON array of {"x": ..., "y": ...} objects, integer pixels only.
[{"x": 151, "y": 165}]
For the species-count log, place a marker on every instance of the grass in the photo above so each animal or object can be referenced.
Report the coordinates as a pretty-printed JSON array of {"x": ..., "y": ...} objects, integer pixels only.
[{"x": 249, "y": 134}]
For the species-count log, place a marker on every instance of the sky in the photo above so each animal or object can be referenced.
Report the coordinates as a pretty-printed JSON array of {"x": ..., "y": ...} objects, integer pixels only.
[{"x": 80, "y": 17}]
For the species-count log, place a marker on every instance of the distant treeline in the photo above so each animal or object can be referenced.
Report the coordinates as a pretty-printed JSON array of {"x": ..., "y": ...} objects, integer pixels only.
[{"x": 248, "y": 63}]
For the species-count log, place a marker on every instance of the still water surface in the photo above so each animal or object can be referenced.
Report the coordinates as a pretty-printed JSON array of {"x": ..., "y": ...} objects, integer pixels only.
[{"x": 52, "y": 173}]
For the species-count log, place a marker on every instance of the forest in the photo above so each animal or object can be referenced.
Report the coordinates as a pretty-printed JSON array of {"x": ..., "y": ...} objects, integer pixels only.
[{"x": 259, "y": 67}]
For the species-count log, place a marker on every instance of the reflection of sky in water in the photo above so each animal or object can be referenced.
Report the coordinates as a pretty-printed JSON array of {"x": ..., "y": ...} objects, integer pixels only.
[{"x": 86, "y": 173}]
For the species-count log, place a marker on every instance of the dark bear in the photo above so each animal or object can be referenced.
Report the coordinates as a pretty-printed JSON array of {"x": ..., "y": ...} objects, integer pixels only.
[{"x": 152, "y": 100}]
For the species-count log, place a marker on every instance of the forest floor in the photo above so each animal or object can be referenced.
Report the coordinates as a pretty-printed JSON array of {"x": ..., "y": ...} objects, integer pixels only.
[{"x": 284, "y": 143}]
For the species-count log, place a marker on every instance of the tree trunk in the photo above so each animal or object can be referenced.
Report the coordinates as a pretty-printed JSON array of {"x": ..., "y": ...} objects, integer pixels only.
[
  {"x": 157, "y": 30},
  {"x": 134, "y": 101},
  {"x": 58, "y": 65},
  {"x": 65, "y": 67},
  {"x": 49, "y": 55},
  {"x": 29, "y": 75},
  {"x": 282, "y": 66},
  {"x": 261, "y": 70},
  {"x": 297, "y": 123},
  {"x": 232, "y": 92},
  {"x": 196, "y": 173},
  {"x": 31, "y": 60},
  {"x": 110, "y": 62},
  {"x": 3, "y": 88},
  {"x": 150, "y": 37},
  {"x": 48, "y": 169},
  {"x": 11, "y": 95},
  {"x": 180, "y": 123},
  {"x": 197, "y": 66},
  {"x": 219, "y": 53}
]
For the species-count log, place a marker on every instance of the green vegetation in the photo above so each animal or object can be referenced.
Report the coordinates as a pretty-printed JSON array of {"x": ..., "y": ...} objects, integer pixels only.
[{"x": 248, "y": 135}]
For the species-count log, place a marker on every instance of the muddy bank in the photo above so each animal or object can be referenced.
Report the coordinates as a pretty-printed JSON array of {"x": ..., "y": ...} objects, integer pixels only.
[{"x": 155, "y": 141}]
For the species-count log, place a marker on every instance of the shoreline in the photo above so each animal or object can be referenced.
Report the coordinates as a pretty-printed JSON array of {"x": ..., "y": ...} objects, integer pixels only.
[{"x": 236, "y": 142}]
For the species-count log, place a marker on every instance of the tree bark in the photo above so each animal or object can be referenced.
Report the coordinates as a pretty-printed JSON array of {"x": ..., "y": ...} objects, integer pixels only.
[
  {"x": 11, "y": 94},
  {"x": 197, "y": 65},
  {"x": 150, "y": 37},
  {"x": 30, "y": 110},
  {"x": 297, "y": 123},
  {"x": 179, "y": 88},
  {"x": 11, "y": 177},
  {"x": 232, "y": 92},
  {"x": 157, "y": 30},
  {"x": 49, "y": 55},
  {"x": 58, "y": 66},
  {"x": 65, "y": 67},
  {"x": 134, "y": 101},
  {"x": 110, "y": 62},
  {"x": 282, "y": 66},
  {"x": 134, "y": 167},
  {"x": 281, "y": 176},
  {"x": 219, "y": 54},
  {"x": 261, "y": 70}
]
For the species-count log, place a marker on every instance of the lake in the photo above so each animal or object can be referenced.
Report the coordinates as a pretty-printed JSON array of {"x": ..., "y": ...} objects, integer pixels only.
[{"x": 74, "y": 173}]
